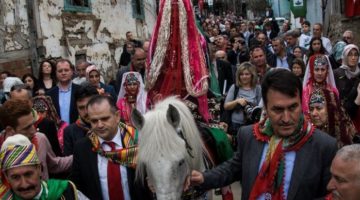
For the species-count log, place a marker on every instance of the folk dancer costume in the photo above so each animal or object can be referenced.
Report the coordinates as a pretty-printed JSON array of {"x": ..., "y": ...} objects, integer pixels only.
[
  {"x": 17, "y": 151},
  {"x": 309, "y": 83},
  {"x": 176, "y": 62},
  {"x": 130, "y": 98},
  {"x": 339, "y": 124}
]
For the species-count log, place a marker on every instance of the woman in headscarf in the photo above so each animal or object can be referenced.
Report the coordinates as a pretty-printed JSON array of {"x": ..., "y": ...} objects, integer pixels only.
[
  {"x": 49, "y": 122},
  {"x": 328, "y": 115},
  {"x": 318, "y": 75},
  {"x": 132, "y": 95},
  {"x": 93, "y": 77},
  {"x": 348, "y": 74}
]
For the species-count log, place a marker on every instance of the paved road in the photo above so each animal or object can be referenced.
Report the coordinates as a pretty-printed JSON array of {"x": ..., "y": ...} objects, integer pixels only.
[{"x": 236, "y": 191}]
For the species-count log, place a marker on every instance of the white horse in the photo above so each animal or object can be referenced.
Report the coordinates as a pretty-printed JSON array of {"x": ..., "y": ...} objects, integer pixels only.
[{"x": 170, "y": 147}]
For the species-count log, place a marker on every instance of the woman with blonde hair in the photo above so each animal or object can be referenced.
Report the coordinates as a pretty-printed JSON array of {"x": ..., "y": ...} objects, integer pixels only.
[{"x": 242, "y": 96}]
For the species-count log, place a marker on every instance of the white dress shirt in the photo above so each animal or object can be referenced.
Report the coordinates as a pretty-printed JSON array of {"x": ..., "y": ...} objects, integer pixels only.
[
  {"x": 327, "y": 44},
  {"x": 102, "y": 168}
]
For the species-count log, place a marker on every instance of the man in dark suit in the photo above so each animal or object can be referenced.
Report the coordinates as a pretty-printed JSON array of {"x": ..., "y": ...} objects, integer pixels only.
[
  {"x": 62, "y": 95},
  {"x": 94, "y": 158},
  {"x": 282, "y": 156},
  {"x": 81, "y": 127},
  {"x": 223, "y": 71},
  {"x": 281, "y": 58}
]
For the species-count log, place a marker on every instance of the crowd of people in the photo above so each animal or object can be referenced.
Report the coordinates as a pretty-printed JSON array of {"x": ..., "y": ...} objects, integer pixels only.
[{"x": 287, "y": 100}]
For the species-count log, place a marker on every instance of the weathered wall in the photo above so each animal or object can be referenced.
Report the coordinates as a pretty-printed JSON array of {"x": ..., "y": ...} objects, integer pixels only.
[
  {"x": 14, "y": 37},
  {"x": 98, "y": 35}
]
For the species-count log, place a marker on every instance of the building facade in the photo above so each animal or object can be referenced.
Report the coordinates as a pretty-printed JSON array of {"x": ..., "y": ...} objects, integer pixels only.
[{"x": 34, "y": 30}]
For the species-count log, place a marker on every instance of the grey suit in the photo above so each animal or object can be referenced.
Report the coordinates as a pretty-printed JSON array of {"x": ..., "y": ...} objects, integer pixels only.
[{"x": 309, "y": 178}]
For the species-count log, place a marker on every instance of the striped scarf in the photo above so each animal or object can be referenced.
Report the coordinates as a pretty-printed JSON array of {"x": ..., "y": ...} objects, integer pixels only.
[
  {"x": 126, "y": 156},
  {"x": 270, "y": 179}
]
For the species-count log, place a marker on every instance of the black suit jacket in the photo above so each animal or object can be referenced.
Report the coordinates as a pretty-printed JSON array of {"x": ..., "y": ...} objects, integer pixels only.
[
  {"x": 85, "y": 174},
  {"x": 72, "y": 134},
  {"x": 224, "y": 73},
  {"x": 54, "y": 94},
  {"x": 311, "y": 172}
]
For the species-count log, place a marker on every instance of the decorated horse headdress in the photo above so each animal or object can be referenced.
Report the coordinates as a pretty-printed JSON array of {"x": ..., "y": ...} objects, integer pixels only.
[{"x": 176, "y": 62}]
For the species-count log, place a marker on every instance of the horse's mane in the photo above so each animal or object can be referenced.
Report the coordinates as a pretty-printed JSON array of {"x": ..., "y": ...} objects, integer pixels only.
[{"x": 158, "y": 137}]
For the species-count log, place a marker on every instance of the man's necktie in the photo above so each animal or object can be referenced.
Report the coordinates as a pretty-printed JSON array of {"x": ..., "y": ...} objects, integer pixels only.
[{"x": 114, "y": 178}]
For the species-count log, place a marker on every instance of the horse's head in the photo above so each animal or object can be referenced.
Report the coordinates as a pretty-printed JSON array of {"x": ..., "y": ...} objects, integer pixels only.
[{"x": 169, "y": 147}]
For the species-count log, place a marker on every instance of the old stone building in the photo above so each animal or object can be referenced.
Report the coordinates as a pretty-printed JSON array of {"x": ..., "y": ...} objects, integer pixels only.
[
  {"x": 336, "y": 20},
  {"x": 33, "y": 30}
]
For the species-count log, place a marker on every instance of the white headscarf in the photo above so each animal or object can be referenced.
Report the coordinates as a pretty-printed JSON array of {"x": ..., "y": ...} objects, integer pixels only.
[
  {"x": 8, "y": 83},
  {"x": 330, "y": 80},
  {"x": 142, "y": 94},
  {"x": 345, "y": 64}
]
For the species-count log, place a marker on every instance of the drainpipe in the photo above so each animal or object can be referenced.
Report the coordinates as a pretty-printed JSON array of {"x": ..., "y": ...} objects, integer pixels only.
[
  {"x": 278, "y": 1},
  {"x": 32, "y": 37}
]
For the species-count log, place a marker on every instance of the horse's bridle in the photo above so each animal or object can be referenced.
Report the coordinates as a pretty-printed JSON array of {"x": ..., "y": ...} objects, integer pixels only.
[{"x": 187, "y": 146}]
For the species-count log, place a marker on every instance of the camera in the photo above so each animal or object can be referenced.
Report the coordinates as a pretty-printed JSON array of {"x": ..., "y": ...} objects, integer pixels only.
[{"x": 252, "y": 113}]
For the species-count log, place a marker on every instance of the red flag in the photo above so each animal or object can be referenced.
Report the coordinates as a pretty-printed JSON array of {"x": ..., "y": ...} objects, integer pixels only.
[{"x": 352, "y": 8}]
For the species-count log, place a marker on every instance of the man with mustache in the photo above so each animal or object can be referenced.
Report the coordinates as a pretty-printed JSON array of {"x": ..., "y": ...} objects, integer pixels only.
[
  {"x": 281, "y": 157},
  {"x": 21, "y": 174},
  {"x": 17, "y": 117},
  {"x": 345, "y": 170}
]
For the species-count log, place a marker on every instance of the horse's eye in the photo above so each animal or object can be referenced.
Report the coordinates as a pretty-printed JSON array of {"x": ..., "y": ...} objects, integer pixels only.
[{"x": 181, "y": 162}]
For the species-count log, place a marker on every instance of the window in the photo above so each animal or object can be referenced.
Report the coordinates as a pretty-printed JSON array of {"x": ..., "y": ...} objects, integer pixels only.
[
  {"x": 138, "y": 9},
  {"x": 78, "y": 5}
]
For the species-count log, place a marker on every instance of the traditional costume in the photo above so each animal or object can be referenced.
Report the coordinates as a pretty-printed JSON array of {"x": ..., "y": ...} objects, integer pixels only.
[
  {"x": 309, "y": 83},
  {"x": 338, "y": 124},
  {"x": 18, "y": 151},
  {"x": 129, "y": 98}
]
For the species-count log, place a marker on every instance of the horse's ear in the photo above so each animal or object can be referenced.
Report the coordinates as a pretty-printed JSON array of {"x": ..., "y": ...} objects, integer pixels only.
[
  {"x": 173, "y": 116},
  {"x": 137, "y": 118}
]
